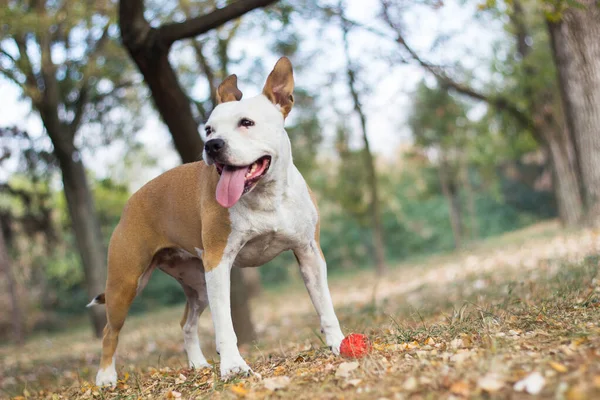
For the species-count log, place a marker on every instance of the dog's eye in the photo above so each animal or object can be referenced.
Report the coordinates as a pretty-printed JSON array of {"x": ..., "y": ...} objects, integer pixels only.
[
  {"x": 246, "y": 123},
  {"x": 207, "y": 130}
]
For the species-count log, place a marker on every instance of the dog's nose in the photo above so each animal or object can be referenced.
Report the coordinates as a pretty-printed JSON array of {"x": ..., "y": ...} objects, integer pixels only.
[{"x": 214, "y": 146}]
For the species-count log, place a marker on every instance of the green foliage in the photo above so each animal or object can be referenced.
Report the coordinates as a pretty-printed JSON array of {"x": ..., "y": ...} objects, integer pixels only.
[{"x": 437, "y": 119}]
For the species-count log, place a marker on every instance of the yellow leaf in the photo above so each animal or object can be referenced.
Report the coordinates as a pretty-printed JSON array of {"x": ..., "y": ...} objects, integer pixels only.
[
  {"x": 460, "y": 388},
  {"x": 239, "y": 390},
  {"x": 430, "y": 341},
  {"x": 126, "y": 376},
  {"x": 558, "y": 367}
]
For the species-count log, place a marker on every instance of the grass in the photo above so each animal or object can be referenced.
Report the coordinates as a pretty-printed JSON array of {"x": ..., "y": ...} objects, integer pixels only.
[{"x": 467, "y": 325}]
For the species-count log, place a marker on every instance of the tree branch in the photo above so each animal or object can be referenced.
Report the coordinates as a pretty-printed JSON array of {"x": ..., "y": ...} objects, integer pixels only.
[
  {"x": 497, "y": 101},
  {"x": 207, "y": 70},
  {"x": 82, "y": 98},
  {"x": 170, "y": 33}
]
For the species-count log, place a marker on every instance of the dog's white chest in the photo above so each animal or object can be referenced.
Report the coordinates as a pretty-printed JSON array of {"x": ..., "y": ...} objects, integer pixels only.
[{"x": 268, "y": 233}]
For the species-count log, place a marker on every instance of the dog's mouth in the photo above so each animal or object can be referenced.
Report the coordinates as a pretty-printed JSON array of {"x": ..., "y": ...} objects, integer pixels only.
[{"x": 236, "y": 181}]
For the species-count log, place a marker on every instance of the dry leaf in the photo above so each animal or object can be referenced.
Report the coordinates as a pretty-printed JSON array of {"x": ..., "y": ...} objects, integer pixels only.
[
  {"x": 532, "y": 383},
  {"x": 460, "y": 357},
  {"x": 275, "y": 383},
  {"x": 410, "y": 384},
  {"x": 172, "y": 394},
  {"x": 180, "y": 379},
  {"x": 558, "y": 367},
  {"x": 491, "y": 383},
  {"x": 354, "y": 382},
  {"x": 460, "y": 388},
  {"x": 345, "y": 368},
  {"x": 239, "y": 390}
]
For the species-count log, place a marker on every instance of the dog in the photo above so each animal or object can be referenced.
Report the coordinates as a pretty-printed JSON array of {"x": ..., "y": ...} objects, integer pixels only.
[{"x": 241, "y": 207}]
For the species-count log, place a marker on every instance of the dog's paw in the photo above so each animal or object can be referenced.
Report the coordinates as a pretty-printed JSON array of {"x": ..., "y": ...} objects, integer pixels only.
[
  {"x": 106, "y": 377},
  {"x": 199, "y": 364},
  {"x": 234, "y": 366},
  {"x": 334, "y": 342}
]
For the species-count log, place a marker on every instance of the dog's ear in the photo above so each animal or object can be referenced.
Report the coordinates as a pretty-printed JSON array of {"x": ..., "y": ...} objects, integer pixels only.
[
  {"x": 280, "y": 85},
  {"x": 228, "y": 90}
]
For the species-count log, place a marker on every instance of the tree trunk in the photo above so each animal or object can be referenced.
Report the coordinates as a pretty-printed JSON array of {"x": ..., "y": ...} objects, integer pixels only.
[
  {"x": 151, "y": 56},
  {"x": 252, "y": 281},
  {"x": 471, "y": 202},
  {"x": 450, "y": 193},
  {"x": 240, "y": 312},
  {"x": 576, "y": 51},
  {"x": 16, "y": 315},
  {"x": 566, "y": 184},
  {"x": 374, "y": 202},
  {"x": 86, "y": 226}
]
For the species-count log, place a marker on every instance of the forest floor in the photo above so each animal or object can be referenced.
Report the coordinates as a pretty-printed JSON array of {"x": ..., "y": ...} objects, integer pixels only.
[{"x": 516, "y": 316}]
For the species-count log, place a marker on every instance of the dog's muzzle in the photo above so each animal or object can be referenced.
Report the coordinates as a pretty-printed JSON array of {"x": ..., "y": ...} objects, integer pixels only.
[{"x": 214, "y": 147}]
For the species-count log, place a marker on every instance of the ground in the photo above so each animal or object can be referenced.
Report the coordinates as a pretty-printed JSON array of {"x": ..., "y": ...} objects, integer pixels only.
[{"x": 512, "y": 317}]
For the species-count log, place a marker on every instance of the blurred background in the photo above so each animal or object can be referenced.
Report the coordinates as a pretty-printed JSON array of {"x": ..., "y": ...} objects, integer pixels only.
[{"x": 421, "y": 126}]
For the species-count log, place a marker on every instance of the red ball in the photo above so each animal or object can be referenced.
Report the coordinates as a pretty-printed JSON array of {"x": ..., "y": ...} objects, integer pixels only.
[{"x": 355, "y": 345}]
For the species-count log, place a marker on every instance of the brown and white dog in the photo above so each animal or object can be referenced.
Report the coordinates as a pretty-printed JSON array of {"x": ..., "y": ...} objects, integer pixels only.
[{"x": 241, "y": 207}]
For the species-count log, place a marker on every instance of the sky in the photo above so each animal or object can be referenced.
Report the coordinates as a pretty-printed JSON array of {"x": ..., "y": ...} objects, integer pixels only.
[{"x": 389, "y": 85}]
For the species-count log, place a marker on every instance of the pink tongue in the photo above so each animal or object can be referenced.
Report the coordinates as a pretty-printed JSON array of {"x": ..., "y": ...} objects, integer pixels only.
[{"x": 231, "y": 185}]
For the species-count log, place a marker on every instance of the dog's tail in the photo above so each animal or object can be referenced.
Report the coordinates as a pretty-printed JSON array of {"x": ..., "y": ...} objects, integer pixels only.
[{"x": 97, "y": 300}]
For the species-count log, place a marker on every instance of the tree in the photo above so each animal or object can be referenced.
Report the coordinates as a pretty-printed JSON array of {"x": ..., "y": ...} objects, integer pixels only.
[
  {"x": 6, "y": 269},
  {"x": 439, "y": 124},
  {"x": 369, "y": 161},
  {"x": 149, "y": 47},
  {"x": 574, "y": 30},
  {"x": 539, "y": 114},
  {"x": 61, "y": 56}
]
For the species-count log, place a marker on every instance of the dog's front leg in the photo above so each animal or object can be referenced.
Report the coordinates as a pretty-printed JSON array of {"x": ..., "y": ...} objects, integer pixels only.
[
  {"x": 314, "y": 272},
  {"x": 218, "y": 288}
]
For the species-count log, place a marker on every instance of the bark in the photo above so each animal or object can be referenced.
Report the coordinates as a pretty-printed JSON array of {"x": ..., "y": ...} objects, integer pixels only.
[
  {"x": 16, "y": 314},
  {"x": 80, "y": 203},
  {"x": 240, "y": 312},
  {"x": 85, "y": 225},
  {"x": 374, "y": 201},
  {"x": 149, "y": 48},
  {"x": 450, "y": 192},
  {"x": 576, "y": 52},
  {"x": 471, "y": 202},
  {"x": 566, "y": 182},
  {"x": 252, "y": 281}
]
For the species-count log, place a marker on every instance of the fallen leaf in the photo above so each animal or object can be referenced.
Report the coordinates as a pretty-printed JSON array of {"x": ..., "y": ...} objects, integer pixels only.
[
  {"x": 460, "y": 357},
  {"x": 532, "y": 383},
  {"x": 558, "y": 367},
  {"x": 180, "y": 379},
  {"x": 345, "y": 368},
  {"x": 354, "y": 382},
  {"x": 239, "y": 390},
  {"x": 172, "y": 394},
  {"x": 491, "y": 383},
  {"x": 275, "y": 383},
  {"x": 410, "y": 384},
  {"x": 460, "y": 388}
]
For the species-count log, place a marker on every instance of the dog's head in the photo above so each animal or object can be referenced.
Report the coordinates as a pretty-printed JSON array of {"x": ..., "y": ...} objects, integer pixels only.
[{"x": 245, "y": 139}]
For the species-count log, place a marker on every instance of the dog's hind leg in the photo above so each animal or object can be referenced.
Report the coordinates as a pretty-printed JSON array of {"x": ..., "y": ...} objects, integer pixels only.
[
  {"x": 196, "y": 303},
  {"x": 128, "y": 271}
]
